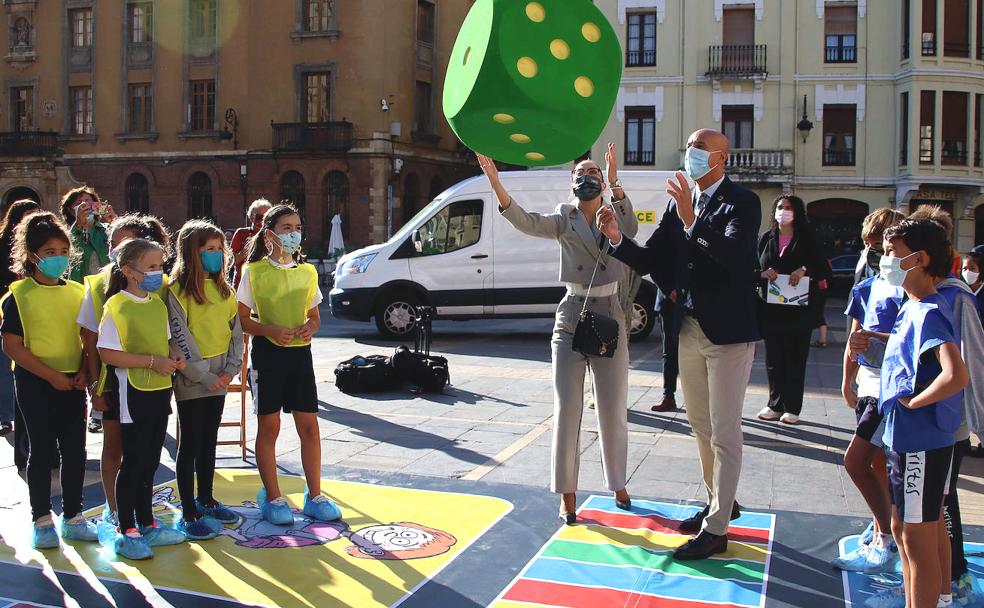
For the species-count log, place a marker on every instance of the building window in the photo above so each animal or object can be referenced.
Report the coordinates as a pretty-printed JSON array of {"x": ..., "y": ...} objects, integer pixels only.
[
  {"x": 137, "y": 194},
  {"x": 928, "y": 28},
  {"x": 317, "y": 97},
  {"x": 140, "y": 20},
  {"x": 980, "y": 29},
  {"x": 978, "y": 102},
  {"x": 954, "y": 128},
  {"x": 840, "y": 30},
  {"x": 292, "y": 190},
  {"x": 906, "y": 28},
  {"x": 904, "y": 130},
  {"x": 337, "y": 200},
  {"x": 927, "y": 124},
  {"x": 81, "y": 110},
  {"x": 424, "y": 118},
  {"x": 203, "y": 17},
  {"x": 737, "y": 124},
  {"x": 956, "y": 28},
  {"x": 839, "y": 130},
  {"x": 640, "y": 136},
  {"x": 22, "y": 102},
  {"x": 318, "y": 15},
  {"x": 141, "y": 108},
  {"x": 641, "y": 39},
  {"x": 199, "y": 197},
  {"x": 425, "y": 22},
  {"x": 201, "y": 114},
  {"x": 81, "y": 23}
]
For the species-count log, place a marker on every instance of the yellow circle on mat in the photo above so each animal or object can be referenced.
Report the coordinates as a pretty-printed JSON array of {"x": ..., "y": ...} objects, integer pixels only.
[
  {"x": 584, "y": 86},
  {"x": 534, "y": 156},
  {"x": 536, "y": 12},
  {"x": 504, "y": 119},
  {"x": 560, "y": 49},
  {"x": 526, "y": 67},
  {"x": 520, "y": 138},
  {"x": 591, "y": 32}
]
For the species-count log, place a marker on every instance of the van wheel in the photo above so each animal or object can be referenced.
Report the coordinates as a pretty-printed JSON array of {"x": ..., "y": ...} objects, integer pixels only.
[
  {"x": 642, "y": 321},
  {"x": 396, "y": 315}
]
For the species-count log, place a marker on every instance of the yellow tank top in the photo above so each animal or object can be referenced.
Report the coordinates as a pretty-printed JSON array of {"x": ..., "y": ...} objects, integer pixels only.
[
  {"x": 143, "y": 330},
  {"x": 48, "y": 314},
  {"x": 209, "y": 322},
  {"x": 97, "y": 291},
  {"x": 282, "y": 295}
]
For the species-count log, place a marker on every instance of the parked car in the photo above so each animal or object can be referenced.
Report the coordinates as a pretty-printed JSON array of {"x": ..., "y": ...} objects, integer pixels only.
[
  {"x": 842, "y": 269},
  {"x": 460, "y": 257}
]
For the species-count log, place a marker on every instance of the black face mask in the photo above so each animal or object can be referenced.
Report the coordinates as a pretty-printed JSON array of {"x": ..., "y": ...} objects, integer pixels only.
[
  {"x": 587, "y": 187},
  {"x": 874, "y": 258}
]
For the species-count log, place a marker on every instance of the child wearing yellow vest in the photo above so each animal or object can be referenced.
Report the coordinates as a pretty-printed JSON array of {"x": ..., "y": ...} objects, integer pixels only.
[
  {"x": 40, "y": 336},
  {"x": 133, "y": 343},
  {"x": 283, "y": 294},
  {"x": 124, "y": 228},
  {"x": 206, "y": 331}
]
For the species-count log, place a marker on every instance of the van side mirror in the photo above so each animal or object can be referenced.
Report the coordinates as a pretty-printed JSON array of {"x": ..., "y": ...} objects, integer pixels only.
[{"x": 418, "y": 244}]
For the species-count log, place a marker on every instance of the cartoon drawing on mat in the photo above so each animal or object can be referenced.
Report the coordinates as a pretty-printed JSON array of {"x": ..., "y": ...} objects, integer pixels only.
[
  {"x": 398, "y": 541},
  {"x": 254, "y": 532}
]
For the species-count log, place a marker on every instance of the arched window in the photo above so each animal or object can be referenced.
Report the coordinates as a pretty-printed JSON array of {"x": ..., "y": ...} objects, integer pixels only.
[
  {"x": 137, "y": 194},
  {"x": 337, "y": 200},
  {"x": 200, "y": 197},
  {"x": 436, "y": 187},
  {"x": 292, "y": 189},
  {"x": 411, "y": 196}
]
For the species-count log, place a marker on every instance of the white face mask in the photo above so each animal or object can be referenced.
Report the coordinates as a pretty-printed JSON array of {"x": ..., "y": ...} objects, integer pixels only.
[
  {"x": 784, "y": 216},
  {"x": 971, "y": 277}
]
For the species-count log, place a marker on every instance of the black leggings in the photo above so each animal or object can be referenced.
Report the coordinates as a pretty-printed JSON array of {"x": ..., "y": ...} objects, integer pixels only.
[
  {"x": 142, "y": 440},
  {"x": 199, "y": 421},
  {"x": 55, "y": 424},
  {"x": 951, "y": 514}
]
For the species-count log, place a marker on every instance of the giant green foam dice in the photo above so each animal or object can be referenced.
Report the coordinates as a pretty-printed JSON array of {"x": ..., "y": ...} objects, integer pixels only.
[{"x": 532, "y": 82}]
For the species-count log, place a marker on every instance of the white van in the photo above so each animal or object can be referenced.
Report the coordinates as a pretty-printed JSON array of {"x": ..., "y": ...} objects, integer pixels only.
[{"x": 461, "y": 257}]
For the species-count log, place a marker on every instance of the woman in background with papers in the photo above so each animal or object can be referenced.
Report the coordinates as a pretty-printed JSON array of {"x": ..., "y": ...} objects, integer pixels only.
[{"x": 792, "y": 266}]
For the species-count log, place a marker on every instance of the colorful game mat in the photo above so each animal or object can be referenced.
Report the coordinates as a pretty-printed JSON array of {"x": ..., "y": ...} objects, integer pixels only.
[{"x": 619, "y": 558}]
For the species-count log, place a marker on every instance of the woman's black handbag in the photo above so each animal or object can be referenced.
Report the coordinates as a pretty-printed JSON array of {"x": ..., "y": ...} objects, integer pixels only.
[{"x": 595, "y": 335}]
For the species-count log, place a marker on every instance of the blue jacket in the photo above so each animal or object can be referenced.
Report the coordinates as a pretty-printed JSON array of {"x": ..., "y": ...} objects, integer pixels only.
[{"x": 716, "y": 262}]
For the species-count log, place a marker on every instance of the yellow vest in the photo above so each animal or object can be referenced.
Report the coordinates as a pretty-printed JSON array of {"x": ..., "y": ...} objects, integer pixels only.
[
  {"x": 48, "y": 314},
  {"x": 97, "y": 291},
  {"x": 143, "y": 330},
  {"x": 282, "y": 295},
  {"x": 209, "y": 322}
]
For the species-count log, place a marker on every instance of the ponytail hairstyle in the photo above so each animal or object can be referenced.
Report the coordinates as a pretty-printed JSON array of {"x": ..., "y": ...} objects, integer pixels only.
[
  {"x": 257, "y": 247},
  {"x": 188, "y": 270},
  {"x": 128, "y": 254},
  {"x": 144, "y": 227},
  {"x": 68, "y": 202},
  {"x": 30, "y": 237}
]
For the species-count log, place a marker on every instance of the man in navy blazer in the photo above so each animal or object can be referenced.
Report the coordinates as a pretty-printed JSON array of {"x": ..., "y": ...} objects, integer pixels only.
[{"x": 705, "y": 249}]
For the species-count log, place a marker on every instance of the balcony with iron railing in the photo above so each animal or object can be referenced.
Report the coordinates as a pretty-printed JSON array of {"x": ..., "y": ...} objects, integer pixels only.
[
  {"x": 337, "y": 136},
  {"x": 640, "y": 58},
  {"x": 736, "y": 61},
  {"x": 840, "y": 54},
  {"x": 29, "y": 143},
  {"x": 838, "y": 157},
  {"x": 754, "y": 164},
  {"x": 640, "y": 157},
  {"x": 954, "y": 152}
]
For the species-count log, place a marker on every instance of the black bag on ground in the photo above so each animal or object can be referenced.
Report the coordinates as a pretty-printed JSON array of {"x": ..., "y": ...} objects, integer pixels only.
[
  {"x": 370, "y": 374},
  {"x": 428, "y": 372}
]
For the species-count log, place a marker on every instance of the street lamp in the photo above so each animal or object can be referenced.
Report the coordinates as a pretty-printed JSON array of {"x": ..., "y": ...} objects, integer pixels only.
[
  {"x": 804, "y": 126},
  {"x": 231, "y": 122}
]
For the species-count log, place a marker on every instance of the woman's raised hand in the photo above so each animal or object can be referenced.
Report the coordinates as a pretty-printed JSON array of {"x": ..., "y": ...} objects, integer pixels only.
[
  {"x": 488, "y": 167},
  {"x": 608, "y": 224}
]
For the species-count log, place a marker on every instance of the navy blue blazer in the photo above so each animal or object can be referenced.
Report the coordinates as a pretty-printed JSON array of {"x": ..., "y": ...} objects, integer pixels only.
[{"x": 716, "y": 262}]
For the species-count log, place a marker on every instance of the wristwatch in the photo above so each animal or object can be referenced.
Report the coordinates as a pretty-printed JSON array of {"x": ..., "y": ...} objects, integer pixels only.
[{"x": 617, "y": 184}]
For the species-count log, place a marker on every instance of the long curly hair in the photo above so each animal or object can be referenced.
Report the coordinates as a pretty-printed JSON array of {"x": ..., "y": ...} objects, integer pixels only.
[{"x": 30, "y": 237}]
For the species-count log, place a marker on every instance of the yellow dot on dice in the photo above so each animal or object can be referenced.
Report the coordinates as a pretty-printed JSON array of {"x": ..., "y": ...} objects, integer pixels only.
[
  {"x": 591, "y": 32},
  {"x": 560, "y": 49},
  {"x": 584, "y": 86},
  {"x": 534, "y": 156},
  {"x": 519, "y": 138},
  {"x": 505, "y": 119},
  {"x": 536, "y": 12},
  {"x": 526, "y": 67}
]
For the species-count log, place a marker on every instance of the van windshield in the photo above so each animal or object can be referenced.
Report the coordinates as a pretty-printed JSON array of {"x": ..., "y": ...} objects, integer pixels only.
[{"x": 413, "y": 223}]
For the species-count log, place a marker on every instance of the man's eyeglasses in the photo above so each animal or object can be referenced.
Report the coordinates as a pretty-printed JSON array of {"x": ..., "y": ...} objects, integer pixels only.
[{"x": 588, "y": 171}]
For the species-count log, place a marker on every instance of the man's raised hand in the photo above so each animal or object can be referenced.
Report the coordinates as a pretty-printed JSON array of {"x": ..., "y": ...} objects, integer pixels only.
[{"x": 679, "y": 189}]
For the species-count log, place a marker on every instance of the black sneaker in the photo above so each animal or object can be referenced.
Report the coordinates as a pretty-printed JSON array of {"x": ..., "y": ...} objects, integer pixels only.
[{"x": 95, "y": 426}]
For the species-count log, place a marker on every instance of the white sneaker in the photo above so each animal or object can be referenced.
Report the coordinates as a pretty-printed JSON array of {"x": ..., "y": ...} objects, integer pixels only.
[
  {"x": 767, "y": 413},
  {"x": 789, "y": 419}
]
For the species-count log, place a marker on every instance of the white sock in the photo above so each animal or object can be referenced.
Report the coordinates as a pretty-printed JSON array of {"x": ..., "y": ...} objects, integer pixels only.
[{"x": 883, "y": 540}]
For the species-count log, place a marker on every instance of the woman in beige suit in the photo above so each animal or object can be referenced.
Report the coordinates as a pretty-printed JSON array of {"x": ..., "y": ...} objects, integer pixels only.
[{"x": 582, "y": 248}]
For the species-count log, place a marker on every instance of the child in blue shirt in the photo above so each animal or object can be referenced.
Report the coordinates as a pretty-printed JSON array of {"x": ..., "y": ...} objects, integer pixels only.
[{"x": 922, "y": 379}]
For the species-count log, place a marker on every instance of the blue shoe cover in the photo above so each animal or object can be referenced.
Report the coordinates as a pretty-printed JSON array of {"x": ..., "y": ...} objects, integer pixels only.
[
  {"x": 45, "y": 537},
  {"x": 219, "y": 512},
  {"x": 197, "y": 530},
  {"x": 880, "y": 560},
  {"x": 83, "y": 530},
  {"x": 110, "y": 516},
  {"x": 278, "y": 515},
  {"x": 132, "y": 548},
  {"x": 323, "y": 510},
  {"x": 893, "y": 597},
  {"x": 854, "y": 561},
  {"x": 162, "y": 536},
  {"x": 868, "y": 535}
]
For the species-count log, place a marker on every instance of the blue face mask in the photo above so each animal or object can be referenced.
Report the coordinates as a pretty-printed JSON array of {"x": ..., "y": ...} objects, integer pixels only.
[
  {"x": 696, "y": 163},
  {"x": 891, "y": 269},
  {"x": 212, "y": 261},
  {"x": 152, "y": 281},
  {"x": 53, "y": 267},
  {"x": 290, "y": 242}
]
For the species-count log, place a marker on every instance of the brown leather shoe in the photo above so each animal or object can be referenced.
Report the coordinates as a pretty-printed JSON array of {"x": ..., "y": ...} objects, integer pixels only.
[{"x": 668, "y": 403}]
